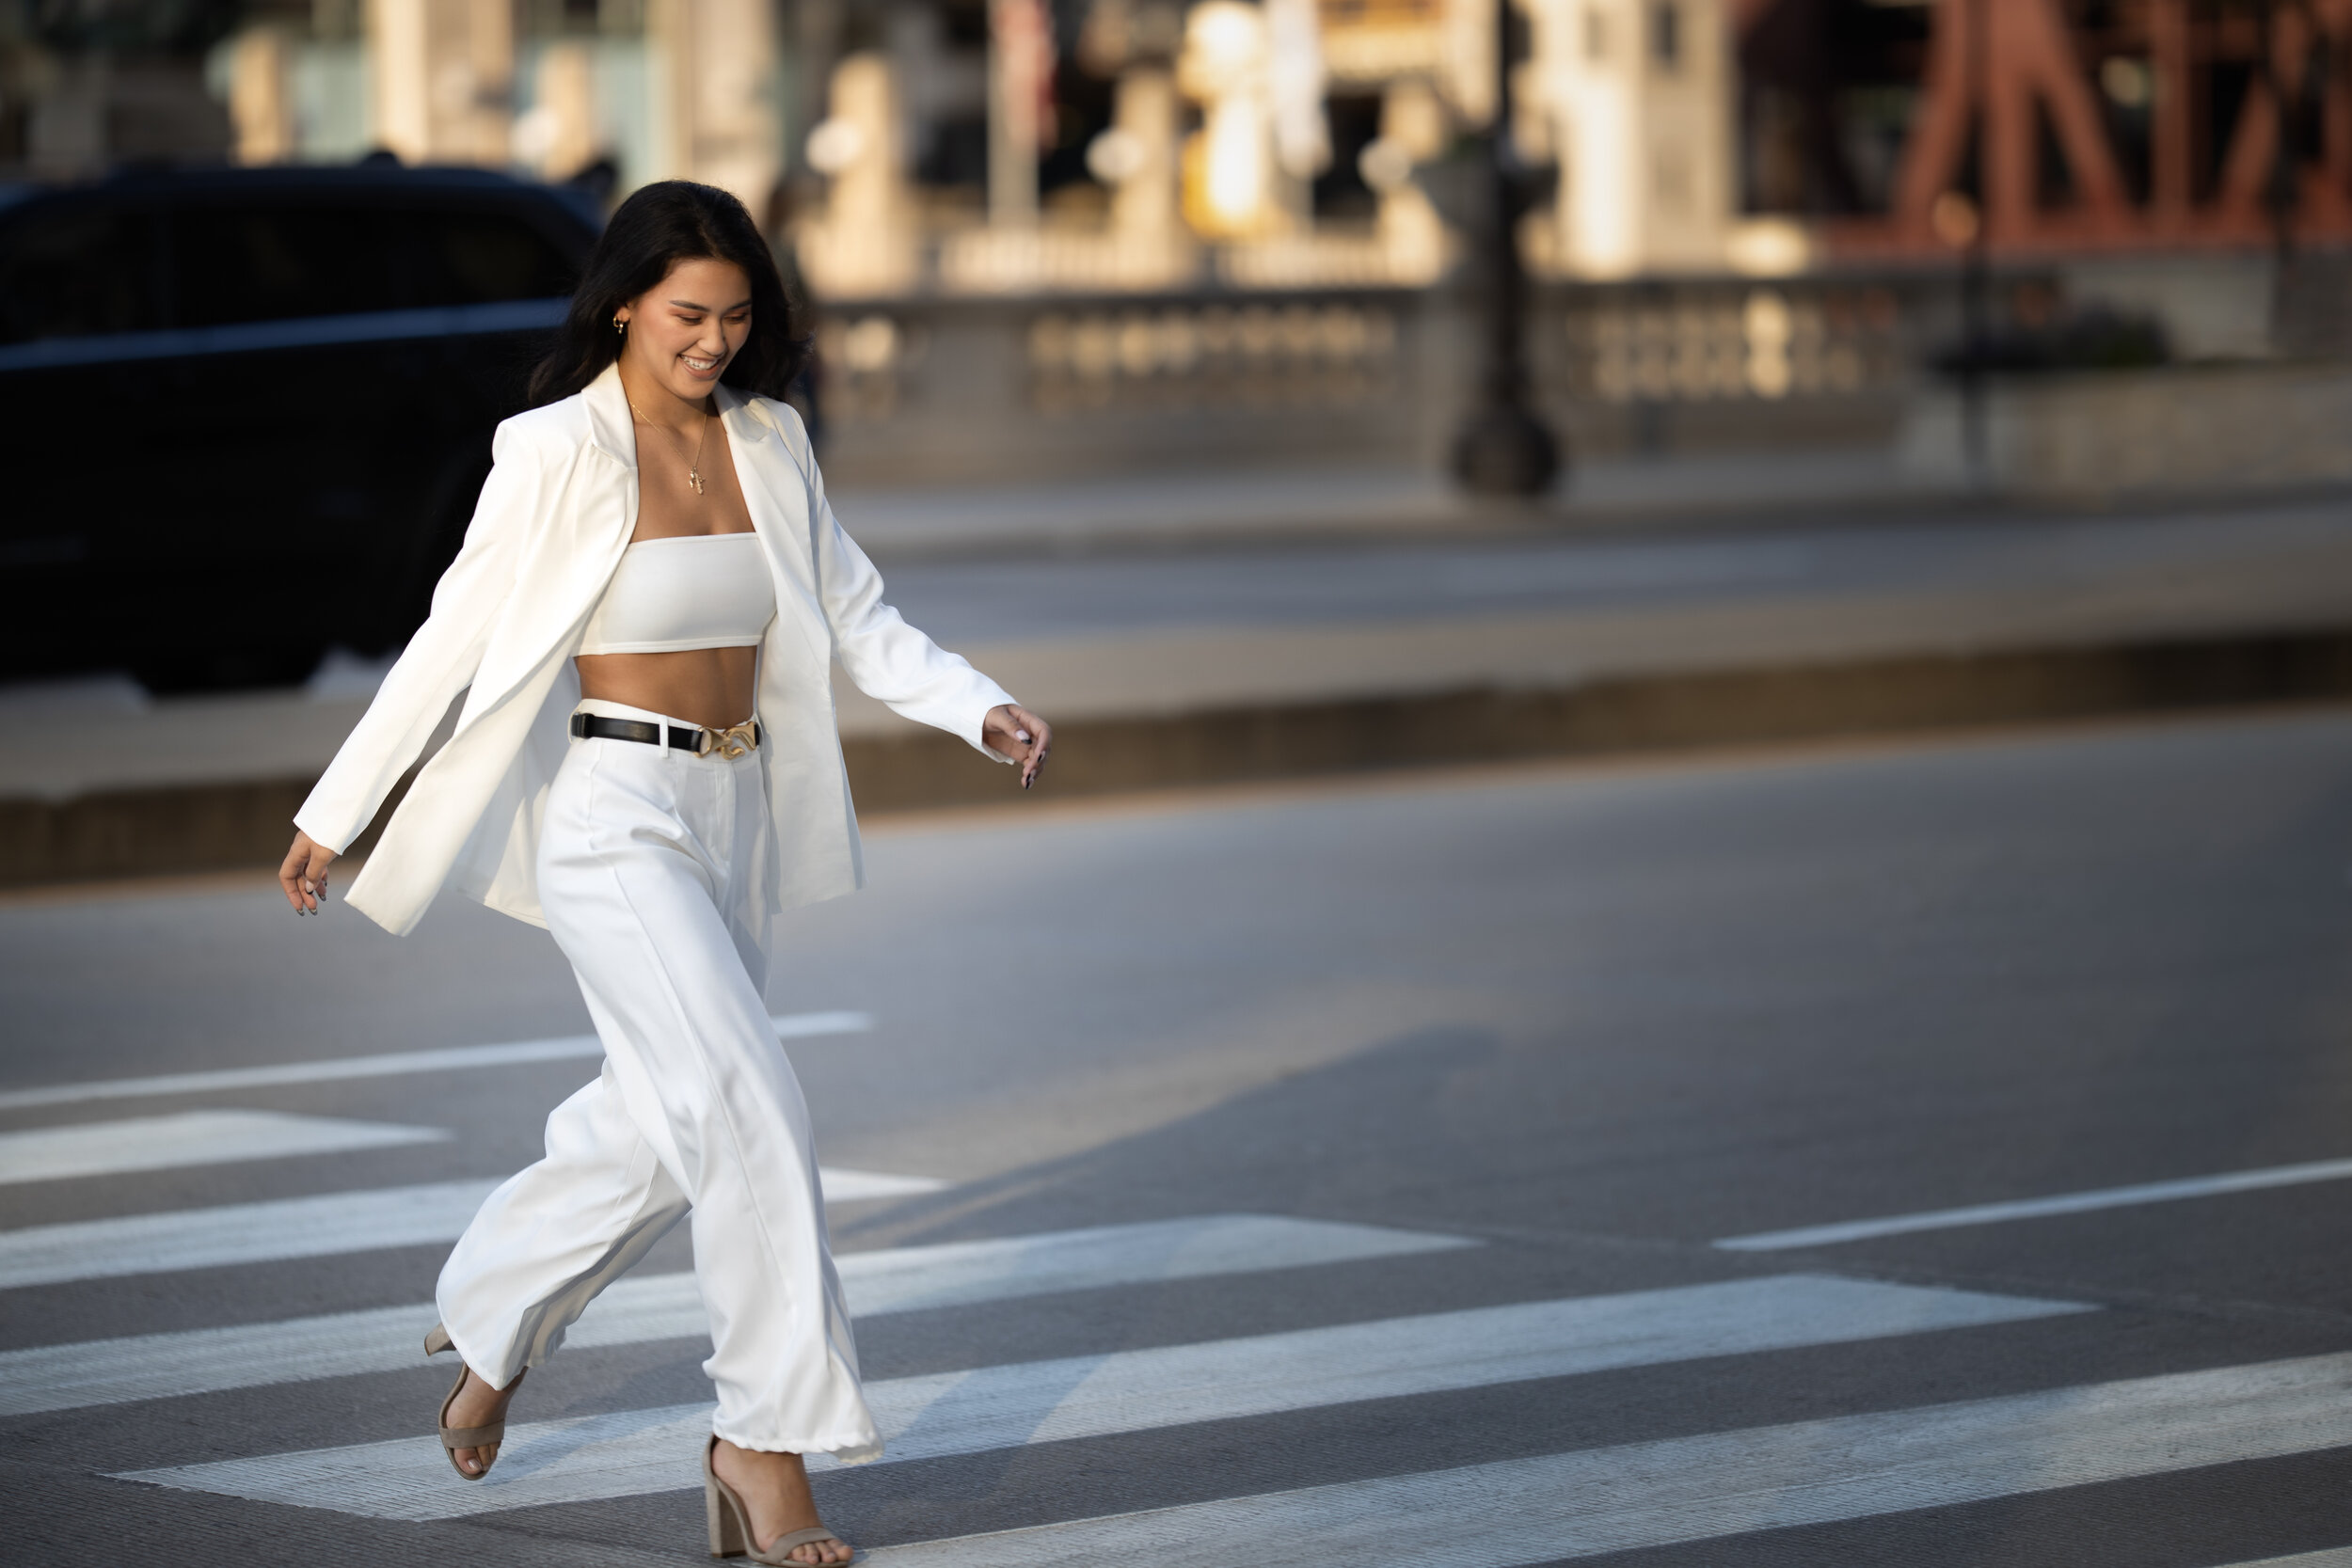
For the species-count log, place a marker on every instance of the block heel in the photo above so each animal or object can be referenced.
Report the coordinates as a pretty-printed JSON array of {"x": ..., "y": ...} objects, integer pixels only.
[{"x": 730, "y": 1524}]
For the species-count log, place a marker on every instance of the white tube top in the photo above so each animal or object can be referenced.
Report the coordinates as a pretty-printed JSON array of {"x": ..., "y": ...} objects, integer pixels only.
[{"x": 698, "y": 591}]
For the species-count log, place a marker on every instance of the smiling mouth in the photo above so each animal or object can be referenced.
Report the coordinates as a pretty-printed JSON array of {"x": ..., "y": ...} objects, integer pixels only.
[{"x": 697, "y": 365}]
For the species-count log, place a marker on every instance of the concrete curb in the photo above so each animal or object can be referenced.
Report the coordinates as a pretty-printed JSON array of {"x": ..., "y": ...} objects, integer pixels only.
[{"x": 245, "y": 825}]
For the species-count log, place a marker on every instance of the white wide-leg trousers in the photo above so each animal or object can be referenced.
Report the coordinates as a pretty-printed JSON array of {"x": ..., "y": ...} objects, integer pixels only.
[{"x": 643, "y": 858}]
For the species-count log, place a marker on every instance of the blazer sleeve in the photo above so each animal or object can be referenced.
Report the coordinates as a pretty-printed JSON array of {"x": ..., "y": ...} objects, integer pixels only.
[
  {"x": 442, "y": 657},
  {"x": 888, "y": 659}
]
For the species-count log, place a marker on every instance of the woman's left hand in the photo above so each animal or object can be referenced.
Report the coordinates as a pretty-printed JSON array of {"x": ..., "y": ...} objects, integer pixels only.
[{"x": 1012, "y": 731}]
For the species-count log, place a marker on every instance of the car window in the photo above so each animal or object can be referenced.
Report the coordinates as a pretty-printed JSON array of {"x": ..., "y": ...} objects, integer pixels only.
[
  {"x": 76, "y": 272},
  {"x": 462, "y": 258},
  {"x": 256, "y": 262}
]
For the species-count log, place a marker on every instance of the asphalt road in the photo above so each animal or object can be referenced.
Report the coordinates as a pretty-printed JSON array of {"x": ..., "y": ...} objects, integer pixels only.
[
  {"x": 1496, "y": 1057},
  {"x": 2290, "y": 555}
]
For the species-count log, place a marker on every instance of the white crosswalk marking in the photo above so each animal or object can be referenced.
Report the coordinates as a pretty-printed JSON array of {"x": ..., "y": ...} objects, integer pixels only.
[
  {"x": 1007, "y": 1406},
  {"x": 2040, "y": 1208},
  {"x": 1507, "y": 1515},
  {"x": 861, "y": 1186},
  {"x": 665, "y": 1306},
  {"x": 456, "y": 1058},
  {"x": 1587, "y": 1503},
  {"x": 239, "y": 1233},
  {"x": 322, "y": 1226},
  {"x": 190, "y": 1138}
]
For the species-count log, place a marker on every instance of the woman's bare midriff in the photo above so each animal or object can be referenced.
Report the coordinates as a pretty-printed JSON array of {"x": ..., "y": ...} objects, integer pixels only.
[
  {"x": 714, "y": 687},
  {"x": 710, "y": 687}
]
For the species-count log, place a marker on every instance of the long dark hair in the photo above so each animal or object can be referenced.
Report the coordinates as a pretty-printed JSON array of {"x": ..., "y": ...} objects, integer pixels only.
[{"x": 656, "y": 229}]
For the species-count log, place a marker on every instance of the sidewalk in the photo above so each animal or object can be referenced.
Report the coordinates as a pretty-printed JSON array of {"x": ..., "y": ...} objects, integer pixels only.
[
  {"x": 1256, "y": 506},
  {"x": 1372, "y": 638}
]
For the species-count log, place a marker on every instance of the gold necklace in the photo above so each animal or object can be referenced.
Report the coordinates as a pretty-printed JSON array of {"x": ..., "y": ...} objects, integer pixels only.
[{"x": 694, "y": 470}]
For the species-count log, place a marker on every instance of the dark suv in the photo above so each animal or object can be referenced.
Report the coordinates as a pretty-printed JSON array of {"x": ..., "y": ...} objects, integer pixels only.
[{"x": 244, "y": 414}]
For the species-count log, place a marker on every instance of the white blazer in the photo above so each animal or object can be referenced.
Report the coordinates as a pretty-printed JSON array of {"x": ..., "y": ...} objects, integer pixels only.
[{"x": 555, "y": 514}]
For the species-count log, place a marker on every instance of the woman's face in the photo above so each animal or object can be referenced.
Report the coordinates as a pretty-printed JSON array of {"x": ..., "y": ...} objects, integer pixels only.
[{"x": 684, "y": 329}]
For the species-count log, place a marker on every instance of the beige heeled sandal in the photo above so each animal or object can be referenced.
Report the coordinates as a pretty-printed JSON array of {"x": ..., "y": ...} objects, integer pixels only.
[
  {"x": 453, "y": 1438},
  {"x": 730, "y": 1525}
]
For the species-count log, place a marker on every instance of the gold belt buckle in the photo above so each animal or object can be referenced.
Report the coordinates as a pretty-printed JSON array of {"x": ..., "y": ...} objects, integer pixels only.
[{"x": 734, "y": 741}]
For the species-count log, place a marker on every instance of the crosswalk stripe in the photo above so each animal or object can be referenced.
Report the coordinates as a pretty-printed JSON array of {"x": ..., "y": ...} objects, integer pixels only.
[
  {"x": 629, "y": 1452},
  {"x": 239, "y": 1233},
  {"x": 190, "y": 1138},
  {"x": 395, "y": 1064},
  {"x": 667, "y": 1307},
  {"x": 1599, "y": 1501},
  {"x": 2039, "y": 1208},
  {"x": 322, "y": 1226},
  {"x": 859, "y": 1186},
  {"x": 2334, "y": 1557}
]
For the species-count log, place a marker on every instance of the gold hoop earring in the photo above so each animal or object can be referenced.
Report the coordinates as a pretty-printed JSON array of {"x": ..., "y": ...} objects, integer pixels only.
[{"x": 620, "y": 328}]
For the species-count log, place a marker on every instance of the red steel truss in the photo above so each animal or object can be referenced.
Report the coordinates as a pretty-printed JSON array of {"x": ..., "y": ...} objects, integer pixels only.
[{"x": 2012, "y": 132}]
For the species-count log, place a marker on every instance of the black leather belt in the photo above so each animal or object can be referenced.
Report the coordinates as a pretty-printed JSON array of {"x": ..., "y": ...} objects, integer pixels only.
[{"x": 729, "y": 743}]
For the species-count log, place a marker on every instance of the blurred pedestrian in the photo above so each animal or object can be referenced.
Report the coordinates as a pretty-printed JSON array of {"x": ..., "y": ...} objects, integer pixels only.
[{"x": 642, "y": 620}]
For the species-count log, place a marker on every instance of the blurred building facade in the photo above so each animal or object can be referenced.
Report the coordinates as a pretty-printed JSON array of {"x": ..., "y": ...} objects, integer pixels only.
[
  {"x": 955, "y": 146},
  {"x": 1046, "y": 233},
  {"x": 1018, "y": 145}
]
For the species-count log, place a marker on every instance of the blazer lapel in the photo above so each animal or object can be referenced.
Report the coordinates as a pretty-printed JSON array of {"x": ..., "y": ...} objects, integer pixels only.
[
  {"x": 610, "y": 427},
  {"x": 776, "y": 495},
  {"x": 586, "y": 544},
  {"x": 581, "y": 534}
]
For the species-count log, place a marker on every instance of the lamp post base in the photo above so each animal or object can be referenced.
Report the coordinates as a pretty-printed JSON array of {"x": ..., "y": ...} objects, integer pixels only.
[{"x": 1503, "y": 449}]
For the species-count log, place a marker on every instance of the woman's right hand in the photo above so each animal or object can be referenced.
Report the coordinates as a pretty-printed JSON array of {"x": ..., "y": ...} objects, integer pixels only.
[
  {"x": 304, "y": 874},
  {"x": 1020, "y": 737}
]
